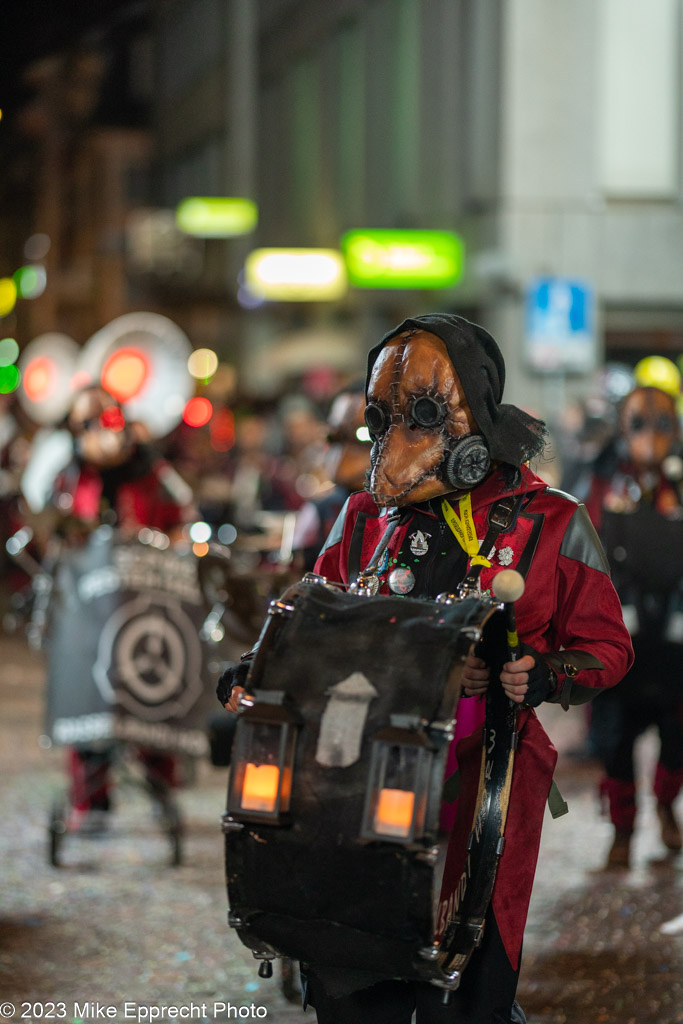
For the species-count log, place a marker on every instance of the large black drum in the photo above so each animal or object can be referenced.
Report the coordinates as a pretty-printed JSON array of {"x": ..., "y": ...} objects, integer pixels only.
[
  {"x": 124, "y": 657},
  {"x": 332, "y": 846}
]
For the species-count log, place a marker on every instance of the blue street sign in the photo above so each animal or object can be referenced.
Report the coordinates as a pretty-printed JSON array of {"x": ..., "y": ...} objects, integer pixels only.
[{"x": 560, "y": 326}]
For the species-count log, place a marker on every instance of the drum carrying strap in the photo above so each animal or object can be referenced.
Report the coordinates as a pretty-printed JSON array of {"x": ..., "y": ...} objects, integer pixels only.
[{"x": 500, "y": 518}]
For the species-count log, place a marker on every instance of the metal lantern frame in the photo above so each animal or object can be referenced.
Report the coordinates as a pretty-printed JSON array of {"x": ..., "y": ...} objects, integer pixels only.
[
  {"x": 269, "y": 714},
  {"x": 382, "y": 801}
]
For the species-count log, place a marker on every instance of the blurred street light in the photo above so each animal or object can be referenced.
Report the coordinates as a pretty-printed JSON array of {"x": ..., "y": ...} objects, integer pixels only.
[
  {"x": 296, "y": 275},
  {"x": 216, "y": 216}
]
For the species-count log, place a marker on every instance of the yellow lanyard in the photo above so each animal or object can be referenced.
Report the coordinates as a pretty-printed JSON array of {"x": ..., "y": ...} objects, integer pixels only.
[{"x": 463, "y": 528}]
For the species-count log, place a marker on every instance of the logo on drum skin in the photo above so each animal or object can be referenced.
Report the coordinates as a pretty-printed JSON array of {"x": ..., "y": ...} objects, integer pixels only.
[{"x": 149, "y": 659}]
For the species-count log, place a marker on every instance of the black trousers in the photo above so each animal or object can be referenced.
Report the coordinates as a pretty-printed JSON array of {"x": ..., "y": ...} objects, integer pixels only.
[
  {"x": 621, "y": 715},
  {"x": 486, "y": 994}
]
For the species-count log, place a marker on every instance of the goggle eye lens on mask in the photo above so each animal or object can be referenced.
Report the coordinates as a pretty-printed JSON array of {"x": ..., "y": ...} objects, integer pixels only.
[
  {"x": 664, "y": 424},
  {"x": 428, "y": 412},
  {"x": 376, "y": 418}
]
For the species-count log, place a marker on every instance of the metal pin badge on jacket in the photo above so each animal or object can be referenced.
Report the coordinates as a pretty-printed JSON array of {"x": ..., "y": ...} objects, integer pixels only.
[
  {"x": 419, "y": 542},
  {"x": 505, "y": 556},
  {"x": 401, "y": 580}
]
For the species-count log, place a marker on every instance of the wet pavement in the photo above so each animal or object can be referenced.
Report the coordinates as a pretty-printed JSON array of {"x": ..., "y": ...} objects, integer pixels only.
[{"x": 116, "y": 925}]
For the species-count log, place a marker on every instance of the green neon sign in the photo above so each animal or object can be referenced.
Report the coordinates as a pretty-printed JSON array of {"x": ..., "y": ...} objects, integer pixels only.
[
  {"x": 216, "y": 216},
  {"x": 392, "y": 258}
]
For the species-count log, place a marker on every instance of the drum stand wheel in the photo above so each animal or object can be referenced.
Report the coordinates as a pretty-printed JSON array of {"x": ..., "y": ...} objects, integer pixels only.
[{"x": 61, "y": 824}]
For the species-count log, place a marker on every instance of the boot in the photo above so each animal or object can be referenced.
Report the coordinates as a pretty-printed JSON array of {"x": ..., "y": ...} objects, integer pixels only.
[
  {"x": 619, "y": 855},
  {"x": 671, "y": 833}
]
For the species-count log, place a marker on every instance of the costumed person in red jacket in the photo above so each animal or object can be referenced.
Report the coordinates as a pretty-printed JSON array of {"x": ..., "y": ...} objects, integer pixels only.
[
  {"x": 636, "y": 503},
  {"x": 114, "y": 478},
  {"x": 452, "y": 458}
]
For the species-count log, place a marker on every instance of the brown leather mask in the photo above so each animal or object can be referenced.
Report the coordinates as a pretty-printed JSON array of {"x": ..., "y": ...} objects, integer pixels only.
[
  {"x": 425, "y": 438},
  {"x": 649, "y": 426}
]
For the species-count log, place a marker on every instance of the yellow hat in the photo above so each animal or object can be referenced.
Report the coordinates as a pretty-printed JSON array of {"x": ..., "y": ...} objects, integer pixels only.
[{"x": 658, "y": 372}]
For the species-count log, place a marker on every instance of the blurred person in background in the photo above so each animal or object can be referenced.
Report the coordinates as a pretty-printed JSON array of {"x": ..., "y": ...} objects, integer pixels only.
[
  {"x": 588, "y": 426},
  {"x": 256, "y": 480},
  {"x": 114, "y": 478},
  {"x": 635, "y": 500},
  {"x": 14, "y": 453},
  {"x": 302, "y": 452},
  {"x": 115, "y": 475},
  {"x": 347, "y": 463}
]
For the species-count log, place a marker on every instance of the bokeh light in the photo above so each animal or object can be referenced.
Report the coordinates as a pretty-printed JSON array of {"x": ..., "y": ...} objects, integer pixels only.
[
  {"x": 200, "y": 549},
  {"x": 125, "y": 373},
  {"x": 39, "y": 377},
  {"x": 9, "y": 351},
  {"x": 10, "y": 379},
  {"x": 8, "y": 295},
  {"x": 216, "y": 216},
  {"x": 222, "y": 430},
  {"x": 197, "y": 412},
  {"x": 227, "y": 533},
  {"x": 37, "y": 247},
  {"x": 30, "y": 281},
  {"x": 113, "y": 419},
  {"x": 81, "y": 379},
  {"x": 397, "y": 258},
  {"x": 296, "y": 275},
  {"x": 200, "y": 532},
  {"x": 202, "y": 364}
]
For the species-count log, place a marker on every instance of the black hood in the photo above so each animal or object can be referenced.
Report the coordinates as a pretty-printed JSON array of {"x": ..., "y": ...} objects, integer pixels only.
[{"x": 512, "y": 435}]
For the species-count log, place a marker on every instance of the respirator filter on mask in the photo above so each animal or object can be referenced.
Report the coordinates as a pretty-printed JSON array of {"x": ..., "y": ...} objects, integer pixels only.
[{"x": 466, "y": 463}]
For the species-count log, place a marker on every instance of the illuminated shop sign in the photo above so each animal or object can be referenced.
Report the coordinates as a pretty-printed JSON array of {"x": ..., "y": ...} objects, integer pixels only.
[
  {"x": 296, "y": 275},
  {"x": 392, "y": 258},
  {"x": 216, "y": 216}
]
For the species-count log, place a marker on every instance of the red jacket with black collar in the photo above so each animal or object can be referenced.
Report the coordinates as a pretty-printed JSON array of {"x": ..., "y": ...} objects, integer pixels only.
[{"x": 569, "y": 603}]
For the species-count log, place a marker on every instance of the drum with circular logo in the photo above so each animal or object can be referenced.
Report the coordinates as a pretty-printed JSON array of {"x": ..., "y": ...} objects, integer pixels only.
[{"x": 124, "y": 655}]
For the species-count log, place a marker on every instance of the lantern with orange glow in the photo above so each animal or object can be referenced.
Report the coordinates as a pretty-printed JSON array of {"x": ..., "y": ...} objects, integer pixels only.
[
  {"x": 263, "y": 760},
  {"x": 399, "y": 784}
]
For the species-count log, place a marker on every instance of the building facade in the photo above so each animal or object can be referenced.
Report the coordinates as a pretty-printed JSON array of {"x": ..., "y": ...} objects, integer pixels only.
[{"x": 547, "y": 135}]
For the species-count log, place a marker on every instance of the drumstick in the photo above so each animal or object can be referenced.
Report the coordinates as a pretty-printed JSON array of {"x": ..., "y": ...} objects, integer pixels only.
[{"x": 508, "y": 587}]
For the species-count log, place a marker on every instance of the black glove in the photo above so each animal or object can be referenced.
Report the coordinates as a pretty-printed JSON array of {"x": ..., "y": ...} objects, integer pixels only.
[
  {"x": 234, "y": 675},
  {"x": 542, "y": 679}
]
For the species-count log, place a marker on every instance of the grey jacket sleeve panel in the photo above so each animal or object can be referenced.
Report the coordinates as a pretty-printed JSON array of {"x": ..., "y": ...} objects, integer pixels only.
[
  {"x": 337, "y": 532},
  {"x": 581, "y": 542}
]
